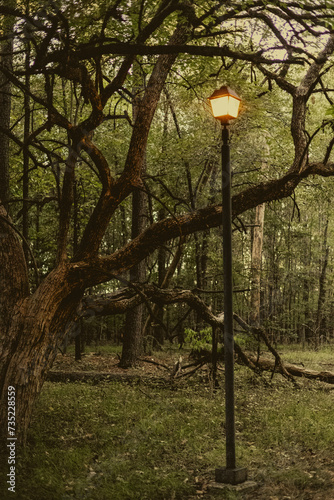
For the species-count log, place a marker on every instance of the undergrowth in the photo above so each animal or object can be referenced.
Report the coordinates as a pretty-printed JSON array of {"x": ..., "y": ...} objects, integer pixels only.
[{"x": 157, "y": 441}]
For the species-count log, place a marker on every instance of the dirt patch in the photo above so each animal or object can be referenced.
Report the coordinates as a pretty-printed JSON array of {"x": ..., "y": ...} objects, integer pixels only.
[{"x": 148, "y": 366}]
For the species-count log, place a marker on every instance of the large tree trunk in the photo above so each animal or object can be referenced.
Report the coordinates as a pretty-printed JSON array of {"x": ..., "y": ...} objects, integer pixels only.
[
  {"x": 38, "y": 324},
  {"x": 30, "y": 327}
]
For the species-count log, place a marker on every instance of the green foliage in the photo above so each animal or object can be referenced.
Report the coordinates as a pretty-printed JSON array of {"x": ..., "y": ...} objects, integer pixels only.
[
  {"x": 330, "y": 111},
  {"x": 198, "y": 340},
  {"x": 183, "y": 150}
]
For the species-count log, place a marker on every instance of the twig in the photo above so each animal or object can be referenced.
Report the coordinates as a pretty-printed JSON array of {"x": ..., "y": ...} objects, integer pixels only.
[
  {"x": 146, "y": 394},
  {"x": 154, "y": 363},
  {"x": 185, "y": 374}
]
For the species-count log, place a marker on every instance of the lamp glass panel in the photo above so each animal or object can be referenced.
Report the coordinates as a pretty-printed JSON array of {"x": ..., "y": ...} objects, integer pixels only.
[{"x": 225, "y": 106}]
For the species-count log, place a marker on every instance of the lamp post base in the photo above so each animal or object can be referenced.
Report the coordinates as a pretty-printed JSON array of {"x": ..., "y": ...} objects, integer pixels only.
[{"x": 231, "y": 476}]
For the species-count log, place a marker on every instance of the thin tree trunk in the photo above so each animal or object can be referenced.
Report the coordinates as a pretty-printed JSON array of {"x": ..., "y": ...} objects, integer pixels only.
[
  {"x": 256, "y": 266},
  {"x": 6, "y": 47},
  {"x": 25, "y": 187},
  {"x": 133, "y": 332},
  {"x": 256, "y": 257},
  {"x": 133, "y": 338},
  {"x": 305, "y": 327},
  {"x": 77, "y": 338},
  {"x": 322, "y": 289},
  {"x": 165, "y": 282},
  {"x": 157, "y": 331}
]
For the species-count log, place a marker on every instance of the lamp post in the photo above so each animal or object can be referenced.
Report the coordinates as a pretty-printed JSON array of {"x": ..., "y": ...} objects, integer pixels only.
[{"x": 225, "y": 107}]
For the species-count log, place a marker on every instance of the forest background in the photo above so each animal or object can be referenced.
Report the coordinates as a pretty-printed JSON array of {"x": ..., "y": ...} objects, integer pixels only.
[{"x": 110, "y": 175}]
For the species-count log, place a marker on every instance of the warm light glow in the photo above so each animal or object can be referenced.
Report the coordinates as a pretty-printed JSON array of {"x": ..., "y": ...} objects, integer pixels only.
[{"x": 225, "y": 104}]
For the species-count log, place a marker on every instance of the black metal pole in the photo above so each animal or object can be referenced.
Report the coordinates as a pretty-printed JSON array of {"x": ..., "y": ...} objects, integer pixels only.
[
  {"x": 230, "y": 474},
  {"x": 228, "y": 301}
]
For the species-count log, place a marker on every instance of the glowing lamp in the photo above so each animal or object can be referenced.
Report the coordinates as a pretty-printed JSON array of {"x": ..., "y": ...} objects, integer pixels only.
[{"x": 225, "y": 104}]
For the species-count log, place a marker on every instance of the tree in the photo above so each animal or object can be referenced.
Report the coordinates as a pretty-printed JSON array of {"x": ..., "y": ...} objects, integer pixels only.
[
  {"x": 133, "y": 330},
  {"x": 7, "y": 26},
  {"x": 256, "y": 261},
  {"x": 66, "y": 47}
]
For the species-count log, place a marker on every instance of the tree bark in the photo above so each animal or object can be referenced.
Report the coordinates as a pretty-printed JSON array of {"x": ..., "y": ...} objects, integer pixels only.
[
  {"x": 37, "y": 325},
  {"x": 14, "y": 282},
  {"x": 32, "y": 328}
]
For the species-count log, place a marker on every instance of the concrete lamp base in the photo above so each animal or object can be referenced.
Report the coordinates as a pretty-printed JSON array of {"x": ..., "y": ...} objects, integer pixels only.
[{"x": 231, "y": 476}]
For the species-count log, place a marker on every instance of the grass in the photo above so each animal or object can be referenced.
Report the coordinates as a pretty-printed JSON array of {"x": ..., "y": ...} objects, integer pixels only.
[
  {"x": 321, "y": 359},
  {"x": 100, "y": 347},
  {"x": 154, "y": 441}
]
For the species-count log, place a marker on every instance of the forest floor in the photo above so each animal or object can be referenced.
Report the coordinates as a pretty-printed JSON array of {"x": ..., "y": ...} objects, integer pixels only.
[
  {"x": 142, "y": 435},
  {"x": 98, "y": 360}
]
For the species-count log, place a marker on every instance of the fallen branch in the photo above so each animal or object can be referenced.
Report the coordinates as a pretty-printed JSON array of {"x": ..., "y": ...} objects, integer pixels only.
[
  {"x": 190, "y": 372},
  {"x": 262, "y": 334},
  {"x": 245, "y": 360},
  {"x": 159, "y": 365},
  {"x": 293, "y": 370},
  {"x": 123, "y": 299}
]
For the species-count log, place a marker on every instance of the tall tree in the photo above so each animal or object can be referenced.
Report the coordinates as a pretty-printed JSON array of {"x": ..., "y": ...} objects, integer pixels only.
[
  {"x": 26, "y": 160},
  {"x": 322, "y": 286},
  {"x": 133, "y": 329},
  {"x": 256, "y": 257},
  {"x": 6, "y": 60},
  {"x": 256, "y": 265}
]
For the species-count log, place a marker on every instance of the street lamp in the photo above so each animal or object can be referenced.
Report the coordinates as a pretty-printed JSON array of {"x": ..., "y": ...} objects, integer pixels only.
[{"x": 225, "y": 106}]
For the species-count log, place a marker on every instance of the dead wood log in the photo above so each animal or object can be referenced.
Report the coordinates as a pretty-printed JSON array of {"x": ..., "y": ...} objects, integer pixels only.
[
  {"x": 258, "y": 332},
  {"x": 293, "y": 370},
  {"x": 123, "y": 299}
]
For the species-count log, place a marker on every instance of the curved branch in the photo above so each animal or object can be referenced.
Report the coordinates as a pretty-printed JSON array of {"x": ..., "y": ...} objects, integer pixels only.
[
  {"x": 131, "y": 176},
  {"x": 98, "y": 269},
  {"x": 135, "y": 49},
  {"x": 99, "y": 160},
  {"x": 121, "y": 300},
  {"x": 300, "y": 97}
]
